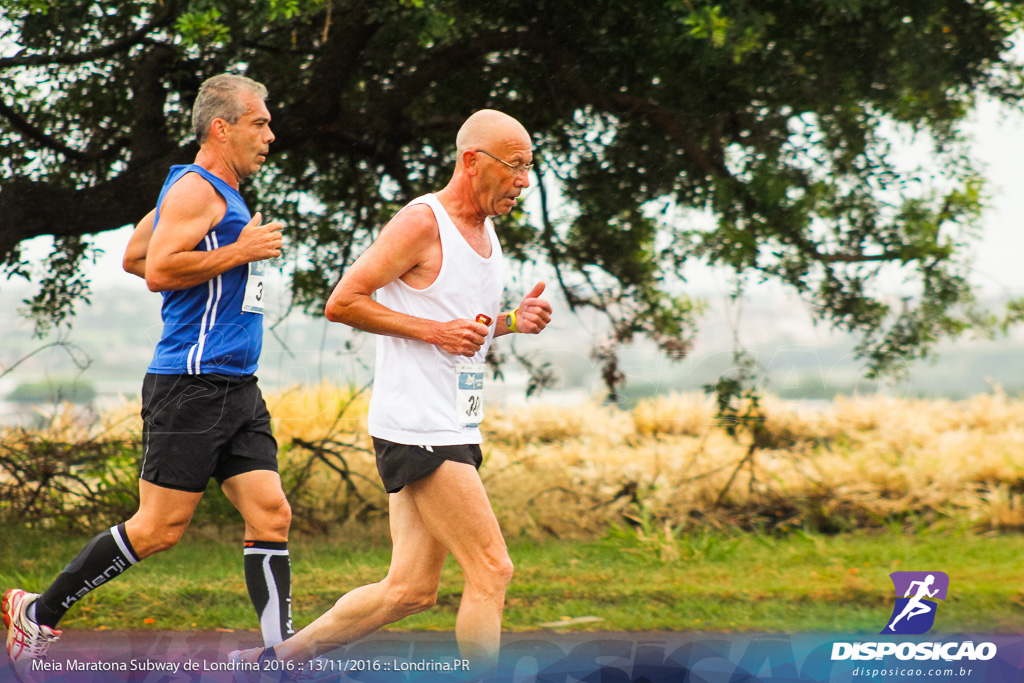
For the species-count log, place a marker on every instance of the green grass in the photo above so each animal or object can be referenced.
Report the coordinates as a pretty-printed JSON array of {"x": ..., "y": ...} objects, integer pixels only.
[{"x": 724, "y": 582}]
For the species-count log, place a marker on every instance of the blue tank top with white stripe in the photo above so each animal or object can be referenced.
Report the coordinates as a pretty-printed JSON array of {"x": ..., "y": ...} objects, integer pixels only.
[{"x": 205, "y": 329}]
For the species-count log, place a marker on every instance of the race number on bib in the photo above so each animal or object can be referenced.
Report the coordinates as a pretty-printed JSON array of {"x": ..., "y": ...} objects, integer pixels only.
[
  {"x": 469, "y": 397},
  {"x": 252, "y": 302}
]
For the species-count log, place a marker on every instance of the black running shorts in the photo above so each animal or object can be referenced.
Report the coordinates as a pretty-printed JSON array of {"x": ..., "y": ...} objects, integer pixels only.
[
  {"x": 400, "y": 465},
  {"x": 199, "y": 426}
]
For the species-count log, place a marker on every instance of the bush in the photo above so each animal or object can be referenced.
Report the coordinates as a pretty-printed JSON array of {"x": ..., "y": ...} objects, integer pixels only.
[
  {"x": 62, "y": 475},
  {"x": 576, "y": 472},
  {"x": 53, "y": 391}
]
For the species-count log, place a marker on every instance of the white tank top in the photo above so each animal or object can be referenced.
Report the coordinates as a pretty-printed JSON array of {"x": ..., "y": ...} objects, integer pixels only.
[{"x": 414, "y": 388}]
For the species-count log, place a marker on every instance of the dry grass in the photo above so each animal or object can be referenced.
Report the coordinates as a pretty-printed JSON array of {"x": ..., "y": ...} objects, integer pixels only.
[{"x": 570, "y": 472}]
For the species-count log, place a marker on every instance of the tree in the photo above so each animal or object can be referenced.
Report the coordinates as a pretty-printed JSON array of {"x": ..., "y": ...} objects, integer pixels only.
[
  {"x": 775, "y": 118},
  {"x": 53, "y": 391}
]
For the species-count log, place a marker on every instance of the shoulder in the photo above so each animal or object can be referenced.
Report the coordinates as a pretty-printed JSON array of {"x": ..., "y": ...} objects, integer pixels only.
[
  {"x": 413, "y": 223},
  {"x": 192, "y": 185},
  {"x": 193, "y": 196}
]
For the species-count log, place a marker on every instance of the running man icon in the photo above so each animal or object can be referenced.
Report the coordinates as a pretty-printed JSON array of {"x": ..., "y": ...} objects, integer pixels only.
[{"x": 915, "y": 611}]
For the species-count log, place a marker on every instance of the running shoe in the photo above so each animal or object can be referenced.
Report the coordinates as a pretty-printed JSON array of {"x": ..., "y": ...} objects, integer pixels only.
[
  {"x": 257, "y": 665},
  {"x": 27, "y": 641},
  {"x": 249, "y": 666}
]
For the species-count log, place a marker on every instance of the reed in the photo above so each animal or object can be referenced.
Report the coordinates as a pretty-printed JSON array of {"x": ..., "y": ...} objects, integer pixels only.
[{"x": 575, "y": 472}]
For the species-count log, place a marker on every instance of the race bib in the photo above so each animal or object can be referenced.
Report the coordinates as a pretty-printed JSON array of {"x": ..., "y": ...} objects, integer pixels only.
[
  {"x": 252, "y": 301},
  {"x": 469, "y": 394}
]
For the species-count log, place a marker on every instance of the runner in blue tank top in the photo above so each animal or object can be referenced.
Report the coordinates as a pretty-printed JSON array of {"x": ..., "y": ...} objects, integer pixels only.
[
  {"x": 203, "y": 414},
  {"x": 215, "y": 326}
]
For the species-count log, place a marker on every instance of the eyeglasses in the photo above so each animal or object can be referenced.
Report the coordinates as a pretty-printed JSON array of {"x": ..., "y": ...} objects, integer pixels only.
[{"x": 517, "y": 169}]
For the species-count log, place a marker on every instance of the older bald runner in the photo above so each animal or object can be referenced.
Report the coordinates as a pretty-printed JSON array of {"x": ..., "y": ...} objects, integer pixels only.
[{"x": 437, "y": 272}]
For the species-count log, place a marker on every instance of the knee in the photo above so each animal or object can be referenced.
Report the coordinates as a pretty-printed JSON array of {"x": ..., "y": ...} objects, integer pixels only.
[
  {"x": 279, "y": 516},
  {"x": 494, "y": 574},
  {"x": 503, "y": 570},
  {"x": 272, "y": 521},
  {"x": 149, "y": 540},
  {"x": 405, "y": 600},
  {"x": 169, "y": 537}
]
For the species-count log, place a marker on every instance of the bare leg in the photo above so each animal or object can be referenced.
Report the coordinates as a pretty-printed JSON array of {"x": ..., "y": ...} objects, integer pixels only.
[
  {"x": 455, "y": 508},
  {"x": 409, "y": 587},
  {"x": 447, "y": 510},
  {"x": 161, "y": 519},
  {"x": 259, "y": 497}
]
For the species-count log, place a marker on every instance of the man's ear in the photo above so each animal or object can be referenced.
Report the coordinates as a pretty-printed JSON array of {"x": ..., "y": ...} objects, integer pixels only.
[
  {"x": 471, "y": 162},
  {"x": 218, "y": 129}
]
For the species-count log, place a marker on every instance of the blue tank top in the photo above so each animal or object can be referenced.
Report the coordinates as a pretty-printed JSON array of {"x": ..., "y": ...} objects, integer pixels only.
[{"x": 205, "y": 329}]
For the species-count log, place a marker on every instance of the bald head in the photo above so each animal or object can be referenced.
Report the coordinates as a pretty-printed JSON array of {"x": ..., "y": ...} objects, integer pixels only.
[
  {"x": 494, "y": 158},
  {"x": 487, "y": 129}
]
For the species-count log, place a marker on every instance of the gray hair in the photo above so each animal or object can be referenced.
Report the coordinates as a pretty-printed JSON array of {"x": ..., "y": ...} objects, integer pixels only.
[{"x": 220, "y": 98}]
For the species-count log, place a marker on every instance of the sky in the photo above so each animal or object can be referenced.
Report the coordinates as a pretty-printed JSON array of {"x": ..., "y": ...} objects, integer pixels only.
[{"x": 1000, "y": 146}]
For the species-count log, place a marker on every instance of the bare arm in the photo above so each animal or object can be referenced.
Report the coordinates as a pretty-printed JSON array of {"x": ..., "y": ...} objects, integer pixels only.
[
  {"x": 399, "y": 249},
  {"x": 191, "y": 207},
  {"x": 134, "y": 260}
]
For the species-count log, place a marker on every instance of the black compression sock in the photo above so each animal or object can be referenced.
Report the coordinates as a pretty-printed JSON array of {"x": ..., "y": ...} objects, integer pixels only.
[
  {"x": 105, "y": 557},
  {"x": 268, "y": 577}
]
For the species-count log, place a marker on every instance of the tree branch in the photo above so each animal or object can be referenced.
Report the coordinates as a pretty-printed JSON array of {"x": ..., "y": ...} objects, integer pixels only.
[
  {"x": 442, "y": 62},
  {"x": 127, "y": 42},
  {"x": 149, "y": 126},
  {"x": 549, "y": 235},
  {"x": 30, "y": 209},
  {"x": 710, "y": 162},
  {"x": 319, "y": 103},
  {"x": 625, "y": 104},
  {"x": 825, "y": 257},
  {"x": 22, "y": 125}
]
